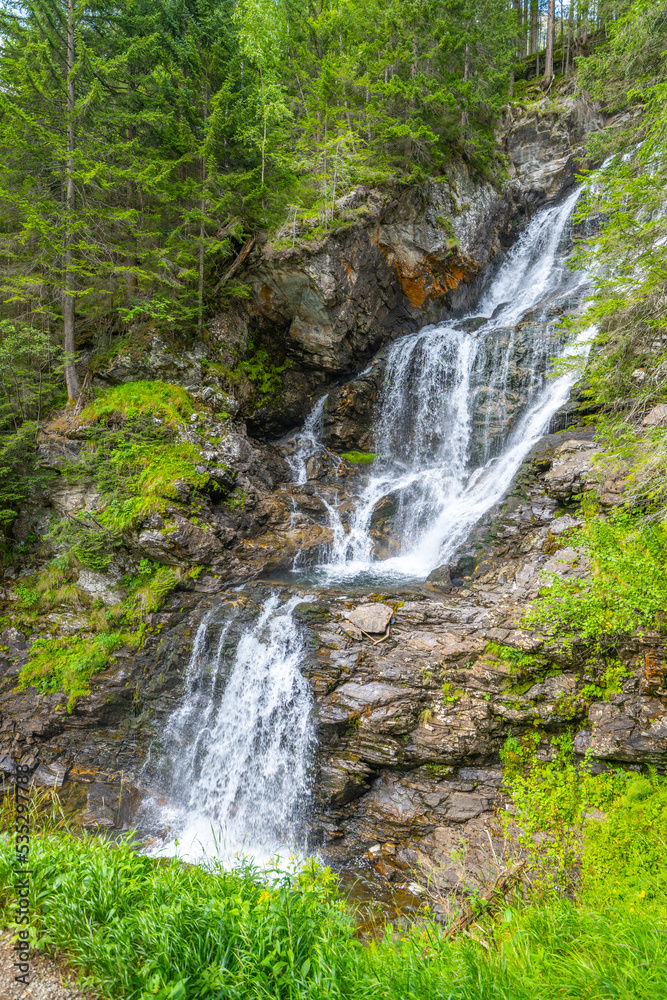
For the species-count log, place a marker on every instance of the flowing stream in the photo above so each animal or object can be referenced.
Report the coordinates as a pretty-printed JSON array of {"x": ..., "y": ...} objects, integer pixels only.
[{"x": 462, "y": 404}]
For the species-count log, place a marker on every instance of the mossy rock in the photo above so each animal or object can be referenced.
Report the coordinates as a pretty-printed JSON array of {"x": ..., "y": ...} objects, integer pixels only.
[
  {"x": 310, "y": 613},
  {"x": 359, "y": 457}
]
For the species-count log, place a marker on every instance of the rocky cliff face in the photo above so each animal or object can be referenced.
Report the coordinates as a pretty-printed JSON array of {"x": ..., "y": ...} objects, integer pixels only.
[
  {"x": 399, "y": 258},
  {"x": 415, "y": 690},
  {"x": 402, "y": 258}
]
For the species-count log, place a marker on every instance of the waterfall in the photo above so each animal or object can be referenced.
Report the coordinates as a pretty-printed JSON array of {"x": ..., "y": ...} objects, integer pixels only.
[
  {"x": 307, "y": 442},
  {"x": 239, "y": 743},
  {"x": 463, "y": 403}
]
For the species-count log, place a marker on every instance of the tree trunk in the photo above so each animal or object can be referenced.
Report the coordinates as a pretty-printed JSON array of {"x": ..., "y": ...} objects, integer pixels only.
[
  {"x": 570, "y": 31},
  {"x": 551, "y": 30},
  {"x": 534, "y": 18},
  {"x": 519, "y": 26},
  {"x": 202, "y": 223},
  {"x": 69, "y": 305},
  {"x": 413, "y": 74},
  {"x": 131, "y": 282},
  {"x": 466, "y": 74}
]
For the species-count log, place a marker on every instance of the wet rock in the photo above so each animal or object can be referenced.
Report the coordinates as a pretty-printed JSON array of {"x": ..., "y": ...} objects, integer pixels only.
[
  {"x": 350, "y": 409},
  {"x": 352, "y": 630},
  {"x": 370, "y": 617},
  {"x": 630, "y": 729},
  {"x": 110, "y": 807},
  {"x": 50, "y": 775},
  {"x": 100, "y": 586}
]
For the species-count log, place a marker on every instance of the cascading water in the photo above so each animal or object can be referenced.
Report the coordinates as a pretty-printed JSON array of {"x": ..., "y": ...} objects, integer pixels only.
[
  {"x": 463, "y": 403},
  {"x": 240, "y": 742},
  {"x": 307, "y": 442}
]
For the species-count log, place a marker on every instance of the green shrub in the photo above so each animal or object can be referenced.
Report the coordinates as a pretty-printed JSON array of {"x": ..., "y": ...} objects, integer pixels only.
[
  {"x": 551, "y": 800},
  {"x": 625, "y": 592},
  {"x": 625, "y": 858}
]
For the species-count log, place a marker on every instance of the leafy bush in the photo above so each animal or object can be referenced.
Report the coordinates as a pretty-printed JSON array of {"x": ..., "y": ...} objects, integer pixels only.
[
  {"x": 626, "y": 590},
  {"x": 625, "y": 858},
  {"x": 551, "y": 800}
]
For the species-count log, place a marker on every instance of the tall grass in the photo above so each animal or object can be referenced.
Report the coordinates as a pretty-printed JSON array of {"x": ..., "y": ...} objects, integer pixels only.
[{"x": 136, "y": 928}]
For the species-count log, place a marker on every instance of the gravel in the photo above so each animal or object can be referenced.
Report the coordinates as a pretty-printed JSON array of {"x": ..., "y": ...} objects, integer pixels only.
[{"x": 49, "y": 979}]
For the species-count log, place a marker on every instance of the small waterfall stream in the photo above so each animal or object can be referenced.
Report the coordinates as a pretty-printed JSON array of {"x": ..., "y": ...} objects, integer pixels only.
[
  {"x": 240, "y": 741},
  {"x": 463, "y": 402}
]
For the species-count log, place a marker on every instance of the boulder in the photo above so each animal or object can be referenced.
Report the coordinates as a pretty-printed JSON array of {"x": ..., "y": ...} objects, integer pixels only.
[
  {"x": 570, "y": 469},
  {"x": 370, "y": 617}
]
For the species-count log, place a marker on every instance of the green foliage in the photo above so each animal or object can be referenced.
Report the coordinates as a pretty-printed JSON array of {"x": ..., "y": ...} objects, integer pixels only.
[
  {"x": 626, "y": 590},
  {"x": 359, "y": 457},
  {"x": 624, "y": 249},
  {"x": 170, "y": 403},
  {"x": 258, "y": 367},
  {"x": 551, "y": 800},
  {"x": 625, "y": 861},
  {"x": 68, "y": 663},
  {"x": 134, "y": 453},
  {"x": 30, "y": 367},
  {"x": 237, "y": 499},
  {"x": 20, "y": 473},
  {"x": 135, "y": 927},
  {"x": 148, "y": 589},
  {"x": 179, "y": 134}
]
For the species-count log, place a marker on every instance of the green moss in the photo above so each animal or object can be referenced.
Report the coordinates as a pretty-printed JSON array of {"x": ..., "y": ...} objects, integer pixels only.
[
  {"x": 438, "y": 770},
  {"x": 134, "y": 454},
  {"x": 237, "y": 499},
  {"x": 359, "y": 457},
  {"x": 516, "y": 657},
  {"x": 132, "y": 399},
  {"x": 67, "y": 664}
]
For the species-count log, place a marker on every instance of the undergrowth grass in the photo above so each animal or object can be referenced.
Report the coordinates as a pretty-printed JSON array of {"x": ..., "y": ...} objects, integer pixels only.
[
  {"x": 625, "y": 592},
  {"x": 136, "y": 928}
]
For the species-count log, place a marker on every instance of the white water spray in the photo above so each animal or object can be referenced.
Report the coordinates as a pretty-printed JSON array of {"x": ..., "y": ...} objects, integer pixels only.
[
  {"x": 241, "y": 743},
  {"x": 307, "y": 442}
]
